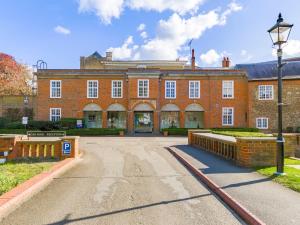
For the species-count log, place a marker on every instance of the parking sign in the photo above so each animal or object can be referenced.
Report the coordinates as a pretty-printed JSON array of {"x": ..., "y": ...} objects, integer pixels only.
[{"x": 66, "y": 148}]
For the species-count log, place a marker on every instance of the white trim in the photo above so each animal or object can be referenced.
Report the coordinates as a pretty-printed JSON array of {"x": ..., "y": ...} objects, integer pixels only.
[
  {"x": 195, "y": 81},
  {"x": 170, "y": 92},
  {"x": 112, "y": 88},
  {"x": 138, "y": 87},
  {"x": 232, "y": 124},
  {"x": 262, "y": 118},
  {"x": 87, "y": 88},
  {"x": 51, "y": 88},
  {"x": 232, "y": 85},
  {"x": 50, "y": 113},
  {"x": 265, "y": 85}
]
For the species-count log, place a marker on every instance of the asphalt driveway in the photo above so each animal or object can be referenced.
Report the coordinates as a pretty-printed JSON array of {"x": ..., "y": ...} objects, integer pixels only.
[{"x": 125, "y": 180}]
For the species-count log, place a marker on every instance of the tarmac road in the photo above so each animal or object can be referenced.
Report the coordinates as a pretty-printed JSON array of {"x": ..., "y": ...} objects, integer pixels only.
[{"x": 125, "y": 180}]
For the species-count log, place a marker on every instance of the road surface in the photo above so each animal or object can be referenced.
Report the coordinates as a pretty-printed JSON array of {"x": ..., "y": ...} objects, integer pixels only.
[{"x": 125, "y": 180}]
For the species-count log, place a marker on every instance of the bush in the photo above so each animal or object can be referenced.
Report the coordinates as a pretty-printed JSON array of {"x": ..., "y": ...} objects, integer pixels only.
[
  {"x": 12, "y": 131},
  {"x": 298, "y": 130},
  {"x": 238, "y": 129},
  {"x": 94, "y": 131},
  {"x": 177, "y": 131},
  {"x": 3, "y": 122},
  {"x": 15, "y": 125},
  {"x": 289, "y": 129},
  {"x": 68, "y": 123},
  {"x": 43, "y": 125}
]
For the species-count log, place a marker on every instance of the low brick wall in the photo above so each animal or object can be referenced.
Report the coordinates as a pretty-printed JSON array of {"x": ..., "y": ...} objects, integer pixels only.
[
  {"x": 252, "y": 152},
  {"x": 20, "y": 147},
  {"x": 247, "y": 152}
]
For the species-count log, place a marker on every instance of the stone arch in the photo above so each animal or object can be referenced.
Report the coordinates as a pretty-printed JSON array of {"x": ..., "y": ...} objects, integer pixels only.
[
  {"x": 116, "y": 107},
  {"x": 170, "y": 108},
  {"x": 143, "y": 107},
  {"x": 92, "y": 107},
  {"x": 194, "y": 108}
]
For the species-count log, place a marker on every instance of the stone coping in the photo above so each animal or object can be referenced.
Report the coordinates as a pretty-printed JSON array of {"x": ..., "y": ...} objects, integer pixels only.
[{"x": 218, "y": 137}]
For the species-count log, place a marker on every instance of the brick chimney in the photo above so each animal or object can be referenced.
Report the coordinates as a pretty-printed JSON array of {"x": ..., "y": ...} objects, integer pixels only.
[
  {"x": 193, "y": 63},
  {"x": 108, "y": 56},
  {"x": 225, "y": 62}
]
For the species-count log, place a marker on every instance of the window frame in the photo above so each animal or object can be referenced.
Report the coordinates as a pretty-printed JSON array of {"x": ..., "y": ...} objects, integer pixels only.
[
  {"x": 112, "y": 88},
  {"x": 60, "y": 87},
  {"x": 265, "y": 86},
  {"x": 170, "y": 89},
  {"x": 223, "y": 87},
  {"x": 87, "y": 88},
  {"x": 138, "y": 88},
  {"x": 262, "y": 118},
  {"x": 199, "y": 89},
  {"x": 232, "y": 120},
  {"x": 50, "y": 114}
]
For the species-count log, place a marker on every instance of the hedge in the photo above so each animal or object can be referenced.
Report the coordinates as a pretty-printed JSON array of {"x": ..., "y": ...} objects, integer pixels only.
[{"x": 178, "y": 131}]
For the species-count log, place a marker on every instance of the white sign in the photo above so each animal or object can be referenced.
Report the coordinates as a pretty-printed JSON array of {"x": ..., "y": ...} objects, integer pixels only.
[{"x": 25, "y": 120}]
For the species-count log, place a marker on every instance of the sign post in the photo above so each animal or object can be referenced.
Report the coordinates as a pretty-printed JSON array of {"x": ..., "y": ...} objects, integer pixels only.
[
  {"x": 25, "y": 121},
  {"x": 79, "y": 124},
  {"x": 66, "y": 148}
]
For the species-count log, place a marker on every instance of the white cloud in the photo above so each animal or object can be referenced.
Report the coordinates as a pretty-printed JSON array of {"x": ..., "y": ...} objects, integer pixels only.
[
  {"x": 125, "y": 51},
  {"x": 144, "y": 34},
  {"x": 245, "y": 56},
  {"x": 291, "y": 49},
  {"x": 211, "y": 57},
  {"x": 179, "y": 6},
  {"x": 141, "y": 27},
  {"x": 104, "y": 9},
  {"x": 174, "y": 33},
  {"x": 62, "y": 30},
  {"x": 232, "y": 7}
]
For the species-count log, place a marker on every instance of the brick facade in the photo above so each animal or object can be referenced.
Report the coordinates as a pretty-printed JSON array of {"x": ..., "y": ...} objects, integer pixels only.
[{"x": 268, "y": 108}]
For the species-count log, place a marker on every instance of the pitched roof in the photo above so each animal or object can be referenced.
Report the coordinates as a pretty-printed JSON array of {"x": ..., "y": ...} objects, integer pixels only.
[
  {"x": 96, "y": 55},
  {"x": 268, "y": 70}
]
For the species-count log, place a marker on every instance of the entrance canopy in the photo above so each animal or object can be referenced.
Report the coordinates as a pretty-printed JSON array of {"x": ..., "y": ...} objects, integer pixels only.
[
  {"x": 92, "y": 107},
  {"x": 194, "y": 108},
  {"x": 116, "y": 107},
  {"x": 143, "y": 107},
  {"x": 170, "y": 108}
]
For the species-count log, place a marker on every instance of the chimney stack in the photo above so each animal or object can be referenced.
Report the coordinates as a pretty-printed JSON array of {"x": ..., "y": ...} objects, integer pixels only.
[
  {"x": 193, "y": 60},
  {"x": 225, "y": 62},
  {"x": 108, "y": 56}
]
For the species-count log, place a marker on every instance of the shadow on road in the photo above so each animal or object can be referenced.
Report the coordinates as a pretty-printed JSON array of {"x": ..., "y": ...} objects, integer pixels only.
[{"x": 67, "y": 219}]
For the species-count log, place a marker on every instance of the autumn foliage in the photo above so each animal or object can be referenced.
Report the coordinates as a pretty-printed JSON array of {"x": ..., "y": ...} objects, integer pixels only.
[{"x": 14, "y": 77}]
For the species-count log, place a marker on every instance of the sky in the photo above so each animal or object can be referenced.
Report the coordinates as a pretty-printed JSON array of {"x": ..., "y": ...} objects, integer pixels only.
[{"x": 60, "y": 31}]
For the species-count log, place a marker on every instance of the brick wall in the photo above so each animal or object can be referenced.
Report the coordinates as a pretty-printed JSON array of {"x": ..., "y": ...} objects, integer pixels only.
[
  {"x": 74, "y": 95},
  {"x": 268, "y": 108}
]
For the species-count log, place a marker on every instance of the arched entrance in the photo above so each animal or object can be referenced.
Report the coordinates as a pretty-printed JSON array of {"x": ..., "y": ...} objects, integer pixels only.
[
  {"x": 92, "y": 116},
  {"x": 143, "y": 118},
  {"x": 194, "y": 116},
  {"x": 116, "y": 116},
  {"x": 169, "y": 116}
]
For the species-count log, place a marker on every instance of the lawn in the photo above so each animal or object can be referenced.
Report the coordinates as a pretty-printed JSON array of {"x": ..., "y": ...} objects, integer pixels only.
[
  {"x": 290, "y": 180},
  {"x": 241, "y": 133},
  {"x": 16, "y": 172}
]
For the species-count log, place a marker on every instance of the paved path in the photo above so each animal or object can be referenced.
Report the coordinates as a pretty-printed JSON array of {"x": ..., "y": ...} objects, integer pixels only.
[
  {"x": 130, "y": 180},
  {"x": 269, "y": 201}
]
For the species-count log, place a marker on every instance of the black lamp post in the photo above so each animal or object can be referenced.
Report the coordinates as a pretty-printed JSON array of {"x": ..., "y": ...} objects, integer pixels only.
[{"x": 279, "y": 34}]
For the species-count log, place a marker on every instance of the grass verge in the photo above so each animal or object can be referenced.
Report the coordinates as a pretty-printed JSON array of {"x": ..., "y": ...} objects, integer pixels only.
[
  {"x": 241, "y": 134},
  {"x": 290, "y": 180},
  {"x": 16, "y": 172}
]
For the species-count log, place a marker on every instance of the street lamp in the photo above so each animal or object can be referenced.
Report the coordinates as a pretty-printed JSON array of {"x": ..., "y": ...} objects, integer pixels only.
[{"x": 279, "y": 34}]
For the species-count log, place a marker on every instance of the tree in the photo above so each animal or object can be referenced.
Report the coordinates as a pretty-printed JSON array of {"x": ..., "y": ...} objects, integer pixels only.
[{"x": 14, "y": 77}]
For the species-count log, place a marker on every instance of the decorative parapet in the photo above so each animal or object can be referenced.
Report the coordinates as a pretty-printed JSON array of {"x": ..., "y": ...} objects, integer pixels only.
[{"x": 244, "y": 151}]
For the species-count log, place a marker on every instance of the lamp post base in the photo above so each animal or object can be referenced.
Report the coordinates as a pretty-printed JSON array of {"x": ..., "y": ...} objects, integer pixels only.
[{"x": 279, "y": 174}]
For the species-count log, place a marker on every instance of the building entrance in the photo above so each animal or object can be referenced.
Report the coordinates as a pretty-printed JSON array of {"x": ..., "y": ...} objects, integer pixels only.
[{"x": 143, "y": 122}]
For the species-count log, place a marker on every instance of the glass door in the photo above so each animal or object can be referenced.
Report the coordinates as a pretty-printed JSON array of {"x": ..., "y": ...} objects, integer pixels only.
[{"x": 143, "y": 122}]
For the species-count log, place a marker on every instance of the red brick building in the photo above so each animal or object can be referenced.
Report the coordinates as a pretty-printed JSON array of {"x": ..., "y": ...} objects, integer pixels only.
[{"x": 146, "y": 96}]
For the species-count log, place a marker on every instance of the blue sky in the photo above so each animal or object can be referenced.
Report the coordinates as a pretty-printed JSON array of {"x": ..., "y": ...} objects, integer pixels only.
[{"x": 60, "y": 31}]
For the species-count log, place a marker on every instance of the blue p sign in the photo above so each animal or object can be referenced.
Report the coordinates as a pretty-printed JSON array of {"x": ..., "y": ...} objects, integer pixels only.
[{"x": 66, "y": 148}]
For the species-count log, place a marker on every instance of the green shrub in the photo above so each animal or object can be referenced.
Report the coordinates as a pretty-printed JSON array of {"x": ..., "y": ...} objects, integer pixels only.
[
  {"x": 12, "y": 131},
  {"x": 4, "y": 121},
  {"x": 15, "y": 125},
  {"x": 68, "y": 123},
  {"x": 238, "y": 129},
  {"x": 177, "y": 131},
  {"x": 94, "y": 131},
  {"x": 43, "y": 125},
  {"x": 289, "y": 129}
]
